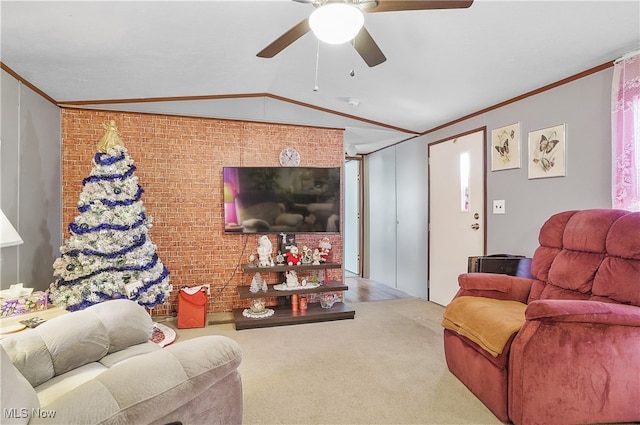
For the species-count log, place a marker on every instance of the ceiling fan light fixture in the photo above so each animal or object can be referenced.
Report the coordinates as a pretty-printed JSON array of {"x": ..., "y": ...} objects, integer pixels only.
[
  {"x": 351, "y": 150},
  {"x": 336, "y": 23}
]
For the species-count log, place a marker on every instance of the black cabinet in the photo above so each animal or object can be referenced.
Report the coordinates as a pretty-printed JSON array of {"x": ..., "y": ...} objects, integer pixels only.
[{"x": 513, "y": 265}]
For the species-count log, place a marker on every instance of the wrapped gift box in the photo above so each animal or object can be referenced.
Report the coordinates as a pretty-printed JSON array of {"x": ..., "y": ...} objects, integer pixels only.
[{"x": 36, "y": 301}]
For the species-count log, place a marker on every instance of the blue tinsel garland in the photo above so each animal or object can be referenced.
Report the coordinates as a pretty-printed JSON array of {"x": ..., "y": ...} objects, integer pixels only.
[
  {"x": 79, "y": 230},
  {"x": 109, "y": 177},
  {"x": 160, "y": 297},
  {"x": 138, "y": 242},
  {"x": 105, "y": 297},
  {"x": 122, "y": 203},
  {"x": 110, "y": 160},
  {"x": 148, "y": 266}
]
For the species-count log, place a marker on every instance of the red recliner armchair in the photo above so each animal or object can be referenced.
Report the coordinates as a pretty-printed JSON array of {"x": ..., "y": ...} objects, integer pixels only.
[{"x": 564, "y": 346}]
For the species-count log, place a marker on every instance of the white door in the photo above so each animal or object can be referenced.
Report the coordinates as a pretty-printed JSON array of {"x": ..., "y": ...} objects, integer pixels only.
[
  {"x": 456, "y": 210},
  {"x": 352, "y": 216},
  {"x": 411, "y": 218},
  {"x": 382, "y": 219}
]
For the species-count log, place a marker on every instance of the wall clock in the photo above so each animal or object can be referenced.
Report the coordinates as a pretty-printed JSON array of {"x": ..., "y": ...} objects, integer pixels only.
[{"x": 289, "y": 157}]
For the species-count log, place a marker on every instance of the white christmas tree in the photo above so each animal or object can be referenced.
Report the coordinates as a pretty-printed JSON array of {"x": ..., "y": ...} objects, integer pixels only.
[{"x": 109, "y": 254}]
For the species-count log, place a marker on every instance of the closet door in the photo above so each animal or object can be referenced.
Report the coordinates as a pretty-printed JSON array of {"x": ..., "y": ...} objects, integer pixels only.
[
  {"x": 381, "y": 258},
  {"x": 411, "y": 212},
  {"x": 352, "y": 216}
]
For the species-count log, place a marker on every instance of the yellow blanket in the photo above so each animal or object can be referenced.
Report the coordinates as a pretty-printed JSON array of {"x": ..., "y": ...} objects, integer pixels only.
[{"x": 485, "y": 321}]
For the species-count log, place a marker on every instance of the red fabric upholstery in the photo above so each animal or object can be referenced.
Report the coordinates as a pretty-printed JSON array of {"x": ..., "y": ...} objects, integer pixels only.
[
  {"x": 575, "y": 360},
  {"x": 483, "y": 376}
]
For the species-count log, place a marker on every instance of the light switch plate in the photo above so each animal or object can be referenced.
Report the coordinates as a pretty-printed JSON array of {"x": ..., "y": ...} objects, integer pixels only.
[{"x": 498, "y": 206}]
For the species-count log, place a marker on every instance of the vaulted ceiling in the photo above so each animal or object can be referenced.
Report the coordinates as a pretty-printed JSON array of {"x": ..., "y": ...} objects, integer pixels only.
[{"x": 198, "y": 58}]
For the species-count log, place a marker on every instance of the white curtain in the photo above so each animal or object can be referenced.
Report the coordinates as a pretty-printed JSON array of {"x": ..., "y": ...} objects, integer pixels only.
[{"x": 625, "y": 128}]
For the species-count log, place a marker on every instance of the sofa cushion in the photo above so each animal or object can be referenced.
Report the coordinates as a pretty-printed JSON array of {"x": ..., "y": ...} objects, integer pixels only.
[
  {"x": 145, "y": 388},
  {"x": 488, "y": 322},
  {"x": 622, "y": 266},
  {"x": 72, "y": 340},
  {"x": 62, "y": 384},
  {"x": 30, "y": 356},
  {"x": 590, "y": 254},
  {"x": 112, "y": 359},
  {"x": 126, "y": 322},
  {"x": 20, "y": 399}
]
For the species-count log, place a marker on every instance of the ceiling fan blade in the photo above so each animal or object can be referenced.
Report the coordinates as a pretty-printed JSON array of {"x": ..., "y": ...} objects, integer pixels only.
[
  {"x": 399, "y": 5},
  {"x": 285, "y": 39},
  {"x": 368, "y": 48}
]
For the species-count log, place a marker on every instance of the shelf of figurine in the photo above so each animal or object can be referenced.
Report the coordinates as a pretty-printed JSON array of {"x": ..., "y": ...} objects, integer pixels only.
[
  {"x": 247, "y": 268},
  {"x": 292, "y": 282},
  {"x": 330, "y": 286},
  {"x": 292, "y": 256},
  {"x": 319, "y": 294}
]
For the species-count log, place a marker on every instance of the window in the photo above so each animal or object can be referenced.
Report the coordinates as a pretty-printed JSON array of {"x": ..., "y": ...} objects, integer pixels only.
[
  {"x": 464, "y": 181},
  {"x": 625, "y": 132}
]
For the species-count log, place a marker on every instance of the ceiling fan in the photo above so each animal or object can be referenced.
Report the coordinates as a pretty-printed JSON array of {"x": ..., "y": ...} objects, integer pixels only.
[{"x": 364, "y": 44}]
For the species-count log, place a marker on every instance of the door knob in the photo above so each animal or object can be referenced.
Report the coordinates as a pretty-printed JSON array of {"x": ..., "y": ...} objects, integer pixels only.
[{"x": 475, "y": 226}]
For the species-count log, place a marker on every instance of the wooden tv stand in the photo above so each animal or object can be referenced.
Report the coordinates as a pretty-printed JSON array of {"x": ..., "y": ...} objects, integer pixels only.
[{"x": 283, "y": 314}]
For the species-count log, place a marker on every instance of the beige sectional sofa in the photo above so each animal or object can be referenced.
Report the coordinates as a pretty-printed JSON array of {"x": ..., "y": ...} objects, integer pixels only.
[{"x": 97, "y": 366}]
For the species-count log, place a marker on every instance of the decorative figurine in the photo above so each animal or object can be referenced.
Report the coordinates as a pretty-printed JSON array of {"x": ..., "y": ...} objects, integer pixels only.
[
  {"x": 306, "y": 255},
  {"x": 252, "y": 260},
  {"x": 280, "y": 258},
  {"x": 315, "y": 280},
  {"x": 292, "y": 279},
  {"x": 265, "y": 250},
  {"x": 256, "y": 283},
  {"x": 257, "y": 309},
  {"x": 316, "y": 257},
  {"x": 324, "y": 245},
  {"x": 257, "y": 305},
  {"x": 293, "y": 256}
]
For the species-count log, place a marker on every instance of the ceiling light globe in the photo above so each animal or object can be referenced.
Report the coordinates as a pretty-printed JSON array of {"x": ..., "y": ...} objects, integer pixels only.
[
  {"x": 351, "y": 150},
  {"x": 336, "y": 23}
]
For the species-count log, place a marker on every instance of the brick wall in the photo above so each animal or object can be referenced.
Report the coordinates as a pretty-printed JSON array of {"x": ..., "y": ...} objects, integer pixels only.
[{"x": 179, "y": 164}]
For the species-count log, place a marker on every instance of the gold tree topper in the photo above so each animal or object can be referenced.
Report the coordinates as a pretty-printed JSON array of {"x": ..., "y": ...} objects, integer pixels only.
[{"x": 111, "y": 137}]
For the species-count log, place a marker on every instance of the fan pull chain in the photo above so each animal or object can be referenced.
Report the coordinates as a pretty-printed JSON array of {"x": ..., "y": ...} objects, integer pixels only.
[
  {"x": 315, "y": 86},
  {"x": 353, "y": 65}
]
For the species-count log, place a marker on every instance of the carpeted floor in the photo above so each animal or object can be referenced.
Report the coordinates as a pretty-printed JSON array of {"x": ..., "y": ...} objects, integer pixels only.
[{"x": 386, "y": 366}]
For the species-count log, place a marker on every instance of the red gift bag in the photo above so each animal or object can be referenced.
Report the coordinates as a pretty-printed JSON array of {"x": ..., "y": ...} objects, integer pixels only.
[{"x": 192, "y": 307}]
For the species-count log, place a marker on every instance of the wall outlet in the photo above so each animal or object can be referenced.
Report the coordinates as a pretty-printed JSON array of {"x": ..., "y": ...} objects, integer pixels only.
[{"x": 498, "y": 206}]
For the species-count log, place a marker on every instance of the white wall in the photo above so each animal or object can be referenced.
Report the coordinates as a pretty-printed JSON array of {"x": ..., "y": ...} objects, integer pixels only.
[
  {"x": 31, "y": 190},
  {"x": 582, "y": 105}
]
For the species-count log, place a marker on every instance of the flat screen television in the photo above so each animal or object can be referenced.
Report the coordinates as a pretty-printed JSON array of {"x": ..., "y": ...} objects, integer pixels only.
[{"x": 281, "y": 199}]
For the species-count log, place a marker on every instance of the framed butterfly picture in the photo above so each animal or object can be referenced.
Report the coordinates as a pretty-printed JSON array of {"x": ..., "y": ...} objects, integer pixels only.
[
  {"x": 505, "y": 147},
  {"x": 547, "y": 150}
]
